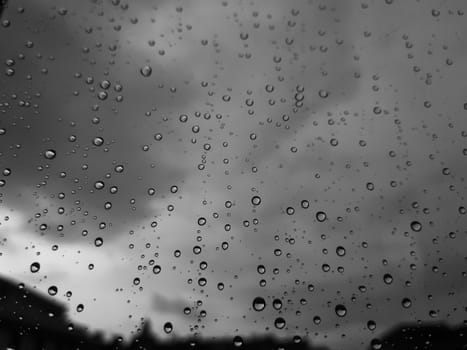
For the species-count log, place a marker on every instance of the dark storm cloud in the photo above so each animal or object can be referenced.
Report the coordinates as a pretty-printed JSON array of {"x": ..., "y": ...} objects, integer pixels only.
[{"x": 47, "y": 114}]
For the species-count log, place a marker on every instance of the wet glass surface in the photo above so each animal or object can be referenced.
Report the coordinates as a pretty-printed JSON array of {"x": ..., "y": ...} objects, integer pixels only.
[{"x": 234, "y": 169}]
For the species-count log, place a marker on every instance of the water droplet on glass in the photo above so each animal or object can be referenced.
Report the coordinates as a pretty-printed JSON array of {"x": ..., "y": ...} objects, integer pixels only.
[
  {"x": 256, "y": 200},
  {"x": 290, "y": 211},
  {"x": 321, "y": 216},
  {"x": 119, "y": 169},
  {"x": 277, "y": 304},
  {"x": 99, "y": 185},
  {"x": 52, "y": 290},
  {"x": 416, "y": 226},
  {"x": 98, "y": 242},
  {"x": 168, "y": 327},
  {"x": 371, "y": 325},
  {"x": 340, "y": 251},
  {"x": 237, "y": 341},
  {"x": 406, "y": 303},
  {"x": 35, "y": 267},
  {"x": 98, "y": 141},
  {"x": 376, "y": 344},
  {"x": 146, "y": 71},
  {"x": 279, "y": 323},
  {"x": 387, "y": 278},
  {"x": 259, "y": 304},
  {"x": 341, "y": 311},
  {"x": 201, "y": 221},
  {"x": 50, "y": 154}
]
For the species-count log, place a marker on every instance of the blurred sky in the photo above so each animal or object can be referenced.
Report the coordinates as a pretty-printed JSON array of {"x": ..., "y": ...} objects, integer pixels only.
[{"x": 355, "y": 107}]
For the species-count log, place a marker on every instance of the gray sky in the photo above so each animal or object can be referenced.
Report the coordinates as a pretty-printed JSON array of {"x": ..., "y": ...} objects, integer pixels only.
[{"x": 355, "y": 107}]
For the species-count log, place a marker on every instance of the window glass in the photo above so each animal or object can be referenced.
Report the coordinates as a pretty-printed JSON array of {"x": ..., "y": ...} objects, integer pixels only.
[{"x": 228, "y": 170}]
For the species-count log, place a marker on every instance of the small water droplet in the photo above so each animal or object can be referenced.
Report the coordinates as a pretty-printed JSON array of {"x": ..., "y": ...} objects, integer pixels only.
[
  {"x": 290, "y": 210},
  {"x": 50, "y": 154},
  {"x": 146, "y": 71}
]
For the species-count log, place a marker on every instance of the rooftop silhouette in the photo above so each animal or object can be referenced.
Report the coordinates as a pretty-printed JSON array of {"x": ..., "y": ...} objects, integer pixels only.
[
  {"x": 433, "y": 336},
  {"x": 30, "y": 321}
]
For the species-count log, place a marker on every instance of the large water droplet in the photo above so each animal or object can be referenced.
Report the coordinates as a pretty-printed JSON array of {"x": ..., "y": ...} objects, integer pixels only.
[
  {"x": 416, "y": 226},
  {"x": 98, "y": 242},
  {"x": 256, "y": 200},
  {"x": 98, "y": 141},
  {"x": 406, "y": 303},
  {"x": 340, "y": 251},
  {"x": 277, "y": 304},
  {"x": 35, "y": 267},
  {"x": 321, "y": 216},
  {"x": 168, "y": 327},
  {"x": 237, "y": 341},
  {"x": 52, "y": 290},
  {"x": 341, "y": 311},
  {"x": 387, "y": 278},
  {"x": 259, "y": 304},
  {"x": 279, "y": 323}
]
